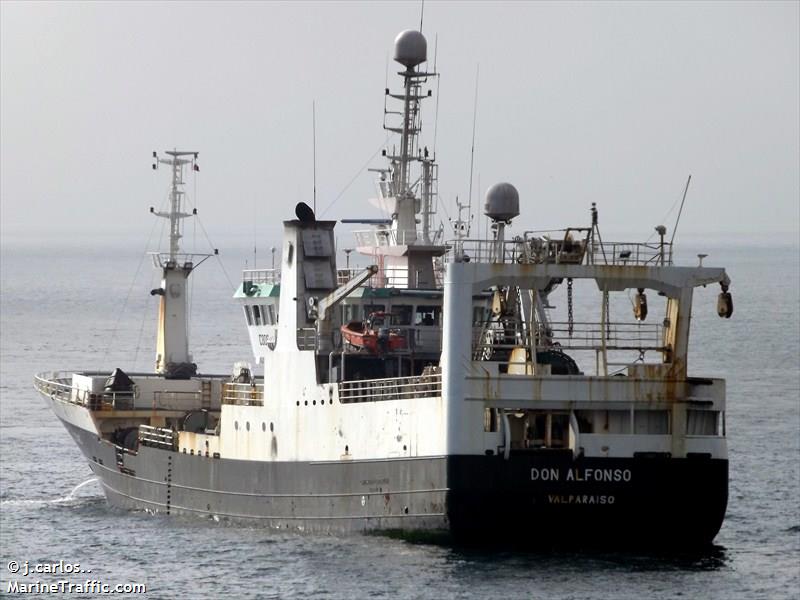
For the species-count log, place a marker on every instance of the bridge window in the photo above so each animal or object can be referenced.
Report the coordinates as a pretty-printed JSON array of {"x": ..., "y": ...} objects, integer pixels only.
[
  {"x": 257, "y": 314},
  {"x": 247, "y": 315}
]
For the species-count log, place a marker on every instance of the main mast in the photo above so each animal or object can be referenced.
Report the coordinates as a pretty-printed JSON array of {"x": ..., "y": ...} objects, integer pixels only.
[
  {"x": 173, "y": 359},
  {"x": 410, "y": 50}
]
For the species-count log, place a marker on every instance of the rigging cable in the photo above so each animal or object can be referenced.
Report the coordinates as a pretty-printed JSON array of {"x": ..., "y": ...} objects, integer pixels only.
[
  {"x": 361, "y": 170},
  {"x": 221, "y": 264},
  {"x": 114, "y": 330}
]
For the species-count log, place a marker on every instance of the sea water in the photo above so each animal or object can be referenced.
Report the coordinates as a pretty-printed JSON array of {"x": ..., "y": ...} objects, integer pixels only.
[{"x": 83, "y": 303}]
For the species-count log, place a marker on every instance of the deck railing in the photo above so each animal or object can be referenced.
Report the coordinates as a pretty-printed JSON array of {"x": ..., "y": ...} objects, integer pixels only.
[
  {"x": 618, "y": 336},
  {"x": 243, "y": 394},
  {"x": 58, "y": 386},
  {"x": 393, "y": 388},
  {"x": 583, "y": 336},
  {"x": 261, "y": 275},
  {"x": 389, "y": 237},
  {"x": 624, "y": 254},
  {"x": 545, "y": 250}
]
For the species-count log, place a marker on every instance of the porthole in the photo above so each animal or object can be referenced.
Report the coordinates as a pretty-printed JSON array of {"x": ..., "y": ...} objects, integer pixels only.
[
  {"x": 236, "y": 425},
  {"x": 247, "y": 425},
  {"x": 264, "y": 426},
  {"x": 272, "y": 427},
  {"x": 306, "y": 402},
  {"x": 315, "y": 402},
  {"x": 346, "y": 449}
]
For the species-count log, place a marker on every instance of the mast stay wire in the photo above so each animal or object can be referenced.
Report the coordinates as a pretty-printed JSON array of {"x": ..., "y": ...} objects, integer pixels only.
[
  {"x": 669, "y": 212},
  {"x": 121, "y": 311},
  {"x": 144, "y": 319},
  {"x": 361, "y": 170}
]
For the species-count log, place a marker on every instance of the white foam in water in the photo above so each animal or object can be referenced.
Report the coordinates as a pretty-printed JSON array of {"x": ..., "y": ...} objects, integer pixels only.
[{"x": 45, "y": 501}]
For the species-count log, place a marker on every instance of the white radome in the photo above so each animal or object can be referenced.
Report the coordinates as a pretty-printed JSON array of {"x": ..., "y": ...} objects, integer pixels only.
[{"x": 502, "y": 202}]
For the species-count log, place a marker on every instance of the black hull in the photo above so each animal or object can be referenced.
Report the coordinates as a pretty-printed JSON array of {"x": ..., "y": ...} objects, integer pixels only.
[{"x": 543, "y": 499}]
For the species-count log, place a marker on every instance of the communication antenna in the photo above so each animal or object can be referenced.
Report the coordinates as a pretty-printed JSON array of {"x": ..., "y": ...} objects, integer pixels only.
[
  {"x": 438, "y": 80},
  {"x": 314, "y": 145},
  {"x": 421, "y": 14},
  {"x": 472, "y": 153},
  {"x": 680, "y": 210}
]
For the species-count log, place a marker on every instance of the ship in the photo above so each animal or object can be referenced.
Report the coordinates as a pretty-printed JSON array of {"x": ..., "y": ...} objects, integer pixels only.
[{"x": 491, "y": 421}]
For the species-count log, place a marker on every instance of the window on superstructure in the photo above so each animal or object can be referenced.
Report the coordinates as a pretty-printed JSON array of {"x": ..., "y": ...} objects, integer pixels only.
[
  {"x": 373, "y": 308},
  {"x": 257, "y": 314},
  {"x": 402, "y": 314},
  {"x": 271, "y": 318},
  {"x": 428, "y": 315},
  {"x": 351, "y": 312},
  {"x": 651, "y": 422}
]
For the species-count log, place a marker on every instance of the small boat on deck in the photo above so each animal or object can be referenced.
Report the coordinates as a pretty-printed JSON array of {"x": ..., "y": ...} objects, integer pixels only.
[{"x": 376, "y": 334}]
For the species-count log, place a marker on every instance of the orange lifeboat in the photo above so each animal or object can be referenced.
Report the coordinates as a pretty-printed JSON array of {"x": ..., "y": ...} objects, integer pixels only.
[{"x": 375, "y": 335}]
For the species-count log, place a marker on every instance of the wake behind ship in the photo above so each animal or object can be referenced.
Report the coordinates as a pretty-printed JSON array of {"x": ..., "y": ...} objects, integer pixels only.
[{"x": 433, "y": 391}]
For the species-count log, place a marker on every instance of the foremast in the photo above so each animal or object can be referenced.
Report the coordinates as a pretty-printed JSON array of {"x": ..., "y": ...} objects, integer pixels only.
[{"x": 173, "y": 359}]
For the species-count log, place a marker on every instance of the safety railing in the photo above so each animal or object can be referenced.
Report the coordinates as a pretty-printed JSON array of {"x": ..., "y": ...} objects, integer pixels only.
[
  {"x": 186, "y": 260},
  {"x": 261, "y": 275},
  {"x": 574, "y": 336},
  {"x": 158, "y": 437},
  {"x": 624, "y": 254},
  {"x": 484, "y": 251},
  {"x": 58, "y": 386},
  {"x": 618, "y": 336},
  {"x": 539, "y": 249},
  {"x": 389, "y": 237},
  {"x": 243, "y": 394},
  {"x": 394, "y": 388}
]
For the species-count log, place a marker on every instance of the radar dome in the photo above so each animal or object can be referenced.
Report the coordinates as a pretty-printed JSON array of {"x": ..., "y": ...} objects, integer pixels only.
[
  {"x": 410, "y": 48},
  {"x": 502, "y": 202}
]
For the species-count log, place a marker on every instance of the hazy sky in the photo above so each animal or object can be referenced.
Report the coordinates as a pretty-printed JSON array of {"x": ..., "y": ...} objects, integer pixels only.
[{"x": 612, "y": 103}]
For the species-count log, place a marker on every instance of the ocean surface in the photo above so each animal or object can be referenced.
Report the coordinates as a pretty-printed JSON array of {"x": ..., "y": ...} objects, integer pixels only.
[{"x": 85, "y": 303}]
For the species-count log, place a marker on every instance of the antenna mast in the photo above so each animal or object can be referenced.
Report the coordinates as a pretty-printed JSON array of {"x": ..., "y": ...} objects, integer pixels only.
[
  {"x": 472, "y": 151},
  {"x": 410, "y": 51},
  {"x": 314, "y": 135},
  {"x": 173, "y": 359},
  {"x": 176, "y": 196}
]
